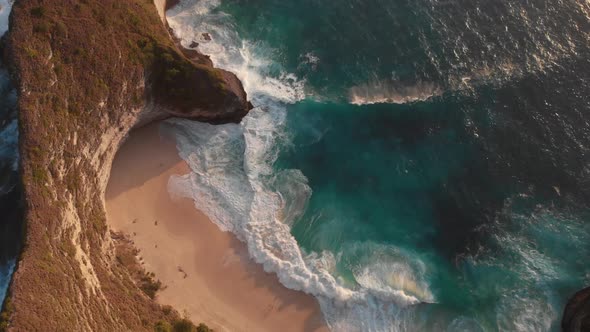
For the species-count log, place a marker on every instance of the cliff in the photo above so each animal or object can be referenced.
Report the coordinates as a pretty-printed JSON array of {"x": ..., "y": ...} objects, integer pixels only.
[{"x": 87, "y": 72}]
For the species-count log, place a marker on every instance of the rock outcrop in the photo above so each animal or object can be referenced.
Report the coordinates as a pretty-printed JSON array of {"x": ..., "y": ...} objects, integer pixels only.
[
  {"x": 576, "y": 317},
  {"x": 87, "y": 72}
]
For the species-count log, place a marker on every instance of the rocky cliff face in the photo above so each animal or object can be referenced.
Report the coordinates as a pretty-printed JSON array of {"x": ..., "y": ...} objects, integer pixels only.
[{"x": 86, "y": 72}]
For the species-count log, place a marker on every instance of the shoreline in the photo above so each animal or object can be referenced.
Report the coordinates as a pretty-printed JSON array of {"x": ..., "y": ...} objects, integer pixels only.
[{"x": 206, "y": 273}]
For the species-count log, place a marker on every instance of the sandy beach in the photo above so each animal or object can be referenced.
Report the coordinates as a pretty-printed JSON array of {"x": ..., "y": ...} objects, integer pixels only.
[{"x": 206, "y": 273}]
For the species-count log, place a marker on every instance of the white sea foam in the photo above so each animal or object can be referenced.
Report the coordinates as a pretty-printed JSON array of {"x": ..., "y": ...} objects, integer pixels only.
[
  {"x": 310, "y": 59},
  {"x": 233, "y": 181},
  {"x": 214, "y": 31},
  {"x": 538, "y": 251},
  {"x": 393, "y": 278},
  {"x": 380, "y": 91}
]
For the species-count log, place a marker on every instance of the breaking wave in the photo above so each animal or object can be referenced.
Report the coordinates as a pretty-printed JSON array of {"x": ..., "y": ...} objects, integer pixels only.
[
  {"x": 234, "y": 178},
  {"x": 380, "y": 92},
  {"x": 233, "y": 182}
]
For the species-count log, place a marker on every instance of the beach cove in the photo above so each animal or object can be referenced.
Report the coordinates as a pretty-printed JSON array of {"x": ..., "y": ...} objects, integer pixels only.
[{"x": 206, "y": 273}]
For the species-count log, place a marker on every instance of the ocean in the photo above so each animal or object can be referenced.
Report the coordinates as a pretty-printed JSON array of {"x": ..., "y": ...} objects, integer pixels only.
[
  {"x": 415, "y": 165},
  {"x": 10, "y": 202}
]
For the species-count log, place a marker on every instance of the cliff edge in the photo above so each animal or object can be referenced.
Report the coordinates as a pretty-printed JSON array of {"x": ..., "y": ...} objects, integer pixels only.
[{"x": 87, "y": 72}]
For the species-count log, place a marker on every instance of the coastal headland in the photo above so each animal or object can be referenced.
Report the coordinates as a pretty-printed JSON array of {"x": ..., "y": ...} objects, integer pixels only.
[{"x": 86, "y": 73}]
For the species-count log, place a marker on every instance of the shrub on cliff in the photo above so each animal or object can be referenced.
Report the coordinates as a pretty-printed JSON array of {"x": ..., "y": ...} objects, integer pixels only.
[
  {"x": 149, "y": 285},
  {"x": 203, "y": 328},
  {"x": 163, "y": 326},
  {"x": 38, "y": 12},
  {"x": 5, "y": 315},
  {"x": 181, "y": 325}
]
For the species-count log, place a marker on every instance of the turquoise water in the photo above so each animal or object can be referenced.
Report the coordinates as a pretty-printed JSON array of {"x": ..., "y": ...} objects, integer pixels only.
[
  {"x": 409, "y": 183},
  {"x": 415, "y": 165}
]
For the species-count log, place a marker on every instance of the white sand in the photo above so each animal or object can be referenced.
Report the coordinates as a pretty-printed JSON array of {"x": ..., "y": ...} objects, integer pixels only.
[
  {"x": 206, "y": 272},
  {"x": 161, "y": 7}
]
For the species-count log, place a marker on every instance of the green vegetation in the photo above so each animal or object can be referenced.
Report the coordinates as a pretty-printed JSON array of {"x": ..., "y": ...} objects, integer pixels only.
[
  {"x": 183, "y": 325},
  {"x": 175, "y": 79},
  {"x": 203, "y": 328},
  {"x": 31, "y": 52},
  {"x": 167, "y": 309},
  {"x": 38, "y": 12},
  {"x": 149, "y": 285},
  {"x": 41, "y": 28},
  {"x": 5, "y": 315},
  {"x": 180, "y": 325},
  {"x": 40, "y": 176},
  {"x": 163, "y": 326}
]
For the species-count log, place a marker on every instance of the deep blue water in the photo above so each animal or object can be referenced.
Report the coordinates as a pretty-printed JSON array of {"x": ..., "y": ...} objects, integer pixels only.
[{"x": 441, "y": 148}]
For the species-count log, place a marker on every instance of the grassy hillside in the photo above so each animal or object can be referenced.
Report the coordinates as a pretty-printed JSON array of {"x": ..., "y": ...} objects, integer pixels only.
[{"x": 86, "y": 72}]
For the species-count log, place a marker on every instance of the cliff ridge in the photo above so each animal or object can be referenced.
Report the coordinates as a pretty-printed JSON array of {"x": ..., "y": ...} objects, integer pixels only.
[{"x": 86, "y": 73}]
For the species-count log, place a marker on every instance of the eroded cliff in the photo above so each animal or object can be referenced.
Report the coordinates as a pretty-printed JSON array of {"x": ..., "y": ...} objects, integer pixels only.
[{"x": 86, "y": 72}]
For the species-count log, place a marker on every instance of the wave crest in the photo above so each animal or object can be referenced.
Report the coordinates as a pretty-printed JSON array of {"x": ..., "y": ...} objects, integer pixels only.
[
  {"x": 380, "y": 92},
  {"x": 233, "y": 181}
]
